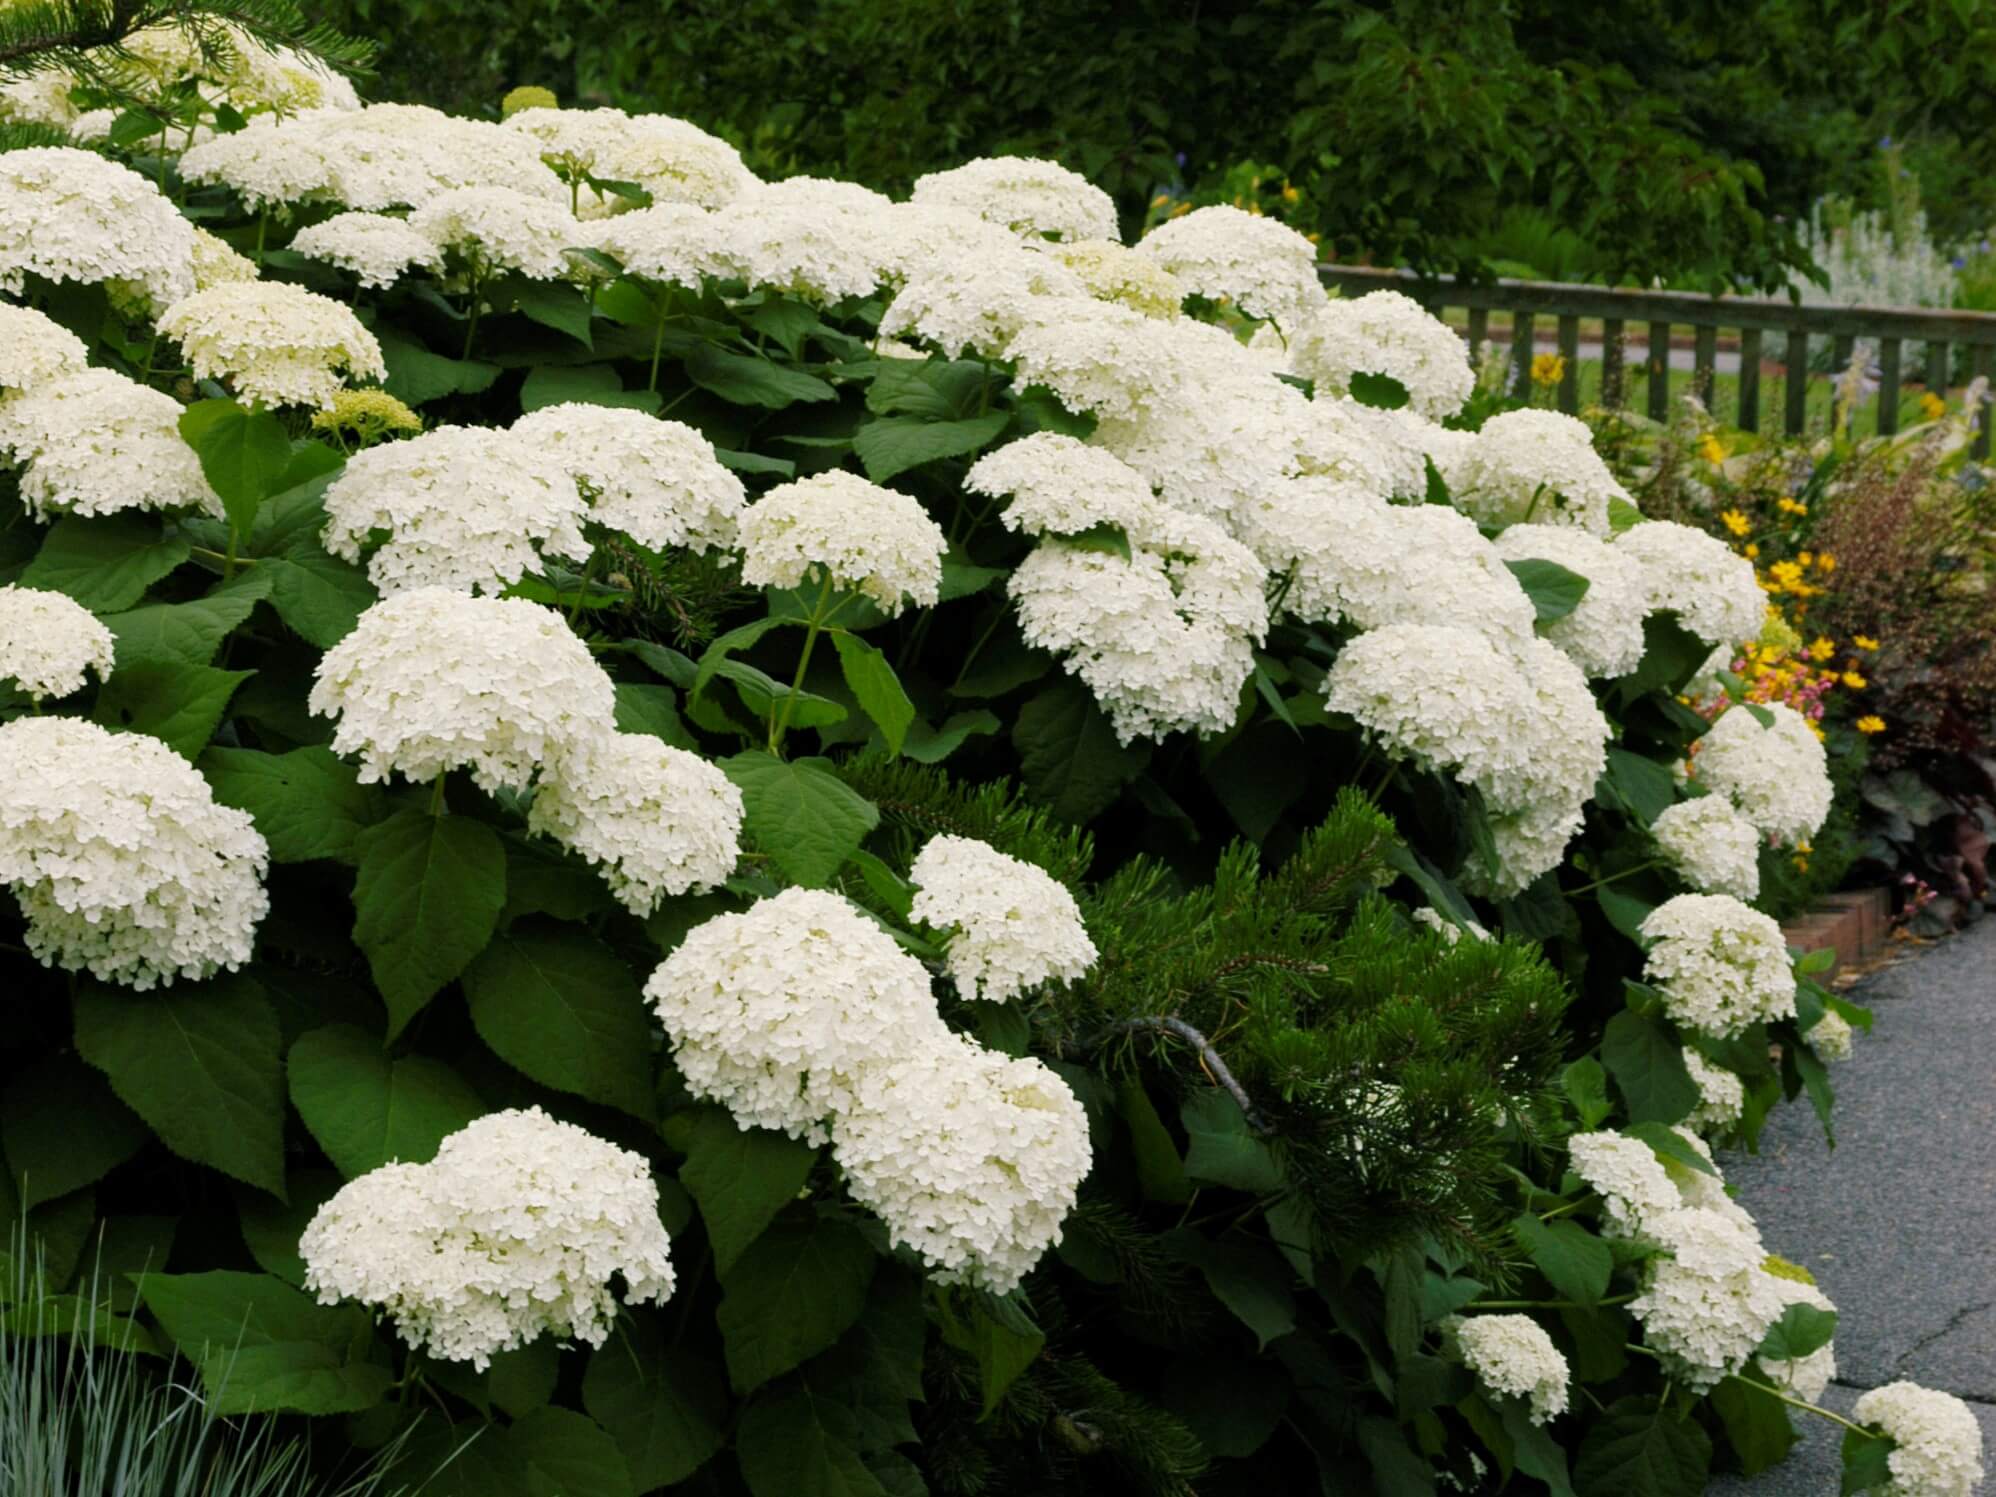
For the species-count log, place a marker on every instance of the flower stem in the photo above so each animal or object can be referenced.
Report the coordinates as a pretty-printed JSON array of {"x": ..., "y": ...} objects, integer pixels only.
[
  {"x": 1547, "y": 1304},
  {"x": 781, "y": 719},
  {"x": 1792, "y": 1402},
  {"x": 229, "y": 559},
  {"x": 657, "y": 346},
  {"x": 437, "y": 795},
  {"x": 1614, "y": 877}
]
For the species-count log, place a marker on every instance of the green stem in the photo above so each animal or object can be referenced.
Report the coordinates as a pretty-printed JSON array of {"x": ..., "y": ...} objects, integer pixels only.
[
  {"x": 813, "y": 627},
  {"x": 582, "y": 589},
  {"x": 1559, "y": 1211},
  {"x": 229, "y": 559},
  {"x": 1547, "y": 1304},
  {"x": 1614, "y": 877},
  {"x": 1792, "y": 1402},
  {"x": 657, "y": 346},
  {"x": 437, "y": 796},
  {"x": 207, "y": 555},
  {"x": 262, "y": 227},
  {"x": 471, "y": 323}
]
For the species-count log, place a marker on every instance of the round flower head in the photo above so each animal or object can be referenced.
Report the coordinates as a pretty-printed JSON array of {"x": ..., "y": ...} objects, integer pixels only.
[
  {"x": 96, "y": 442},
  {"x": 980, "y": 299},
  {"x": 656, "y": 481},
  {"x": 1776, "y": 774},
  {"x": 1707, "y": 1305},
  {"x": 1603, "y": 635},
  {"x": 1025, "y": 194},
  {"x": 70, "y": 215},
  {"x": 672, "y": 243},
  {"x": 368, "y": 416},
  {"x": 35, "y": 348},
  {"x": 1697, "y": 577},
  {"x": 1625, "y": 1173},
  {"x": 972, "y": 1159},
  {"x": 462, "y": 507},
  {"x": 376, "y": 248},
  {"x": 277, "y": 344},
  {"x": 804, "y": 242},
  {"x": 515, "y": 1230},
  {"x": 1720, "y": 965},
  {"x": 855, "y": 534},
  {"x": 1806, "y": 1376},
  {"x": 1513, "y": 1357},
  {"x": 1059, "y": 485},
  {"x": 1704, "y": 1190},
  {"x": 657, "y": 820},
  {"x": 1386, "y": 333},
  {"x": 1721, "y": 1095},
  {"x": 432, "y": 680},
  {"x": 215, "y": 264},
  {"x": 1533, "y": 465},
  {"x": 1831, "y": 1036},
  {"x": 498, "y": 229},
  {"x": 1113, "y": 273},
  {"x": 267, "y": 164},
  {"x": 1937, "y": 1443},
  {"x": 1715, "y": 849},
  {"x": 919, "y": 236},
  {"x": 48, "y": 640},
  {"x": 775, "y": 1012},
  {"x": 1012, "y": 927},
  {"x": 1099, "y": 357},
  {"x": 1261, "y": 265},
  {"x": 123, "y": 864},
  {"x": 672, "y": 160}
]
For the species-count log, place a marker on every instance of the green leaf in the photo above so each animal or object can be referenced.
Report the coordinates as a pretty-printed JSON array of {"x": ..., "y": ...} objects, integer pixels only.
[
  {"x": 802, "y": 815},
  {"x": 366, "y": 1110},
  {"x": 566, "y": 1454},
  {"x": 792, "y": 1442},
  {"x": 755, "y": 462},
  {"x": 1816, "y": 1081},
  {"x": 1555, "y": 590},
  {"x": 1671, "y": 1146},
  {"x": 765, "y": 696},
  {"x": 892, "y": 445},
  {"x": 561, "y": 1007},
  {"x": 743, "y": 379},
  {"x": 652, "y": 711},
  {"x": 320, "y": 597},
  {"x": 523, "y": 1378},
  {"x": 105, "y": 564},
  {"x": 1575, "y": 1262},
  {"x": 1622, "y": 514},
  {"x": 667, "y": 1410},
  {"x": 264, "y": 1346},
  {"x": 740, "y": 1177},
  {"x": 962, "y": 579},
  {"x": 934, "y": 389},
  {"x": 417, "y": 376},
  {"x": 1637, "y": 784},
  {"x": 1110, "y": 540},
  {"x": 63, "y": 1129},
  {"x": 1586, "y": 1086},
  {"x": 543, "y": 878},
  {"x": 181, "y": 705},
  {"x": 180, "y": 633},
  {"x": 307, "y": 804},
  {"x": 243, "y": 455},
  {"x": 878, "y": 689},
  {"x": 1250, "y": 1281},
  {"x": 426, "y": 898},
  {"x": 1672, "y": 654},
  {"x": 791, "y": 1294},
  {"x": 1802, "y": 1329},
  {"x": 1381, "y": 391},
  {"x": 200, "y": 1063},
  {"x": 1534, "y": 1451},
  {"x": 1648, "y": 1064},
  {"x": 1160, "y": 1170},
  {"x": 1639, "y": 1450},
  {"x": 999, "y": 1336},
  {"x": 1866, "y": 1463},
  {"x": 1220, "y": 1149},
  {"x": 711, "y": 659},
  {"x": 271, "y": 1229},
  {"x": 875, "y": 1369},
  {"x": 927, "y": 745},
  {"x": 586, "y": 384},
  {"x": 1437, "y": 489},
  {"x": 554, "y": 304},
  {"x": 1069, "y": 755}
]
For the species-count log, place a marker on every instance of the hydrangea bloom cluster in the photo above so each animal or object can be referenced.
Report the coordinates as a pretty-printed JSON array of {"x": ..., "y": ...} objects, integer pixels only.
[
  {"x": 372, "y": 246},
  {"x": 1024, "y": 194},
  {"x": 1776, "y": 773},
  {"x": 47, "y": 642},
  {"x": 1625, "y": 1173},
  {"x": 656, "y": 481},
  {"x": 432, "y": 680},
  {"x": 277, "y": 344},
  {"x": 672, "y": 160},
  {"x": 516, "y": 1229},
  {"x": 70, "y": 215},
  {"x": 1806, "y": 1376},
  {"x": 495, "y": 229},
  {"x": 1709, "y": 1303},
  {"x": 1112, "y": 272},
  {"x": 1012, "y": 926},
  {"x": 1715, "y": 849},
  {"x": 124, "y": 865},
  {"x": 1720, "y": 965},
  {"x": 1059, "y": 485},
  {"x": 1384, "y": 332},
  {"x": 1831, "y": 1036},
  {"x": 856, "y": 534},
  {"x": 1937, "y": 1443},
  {"x": 1721, "y": 1095},
  {"x": 1383, "y": 564},
  {"x": 1260, "y": 264},
  {"x": 805, "y": 237},
  {"x": 1532, "y": 465},
  {"x": 1604, "y": 633},
  {"x": 461, "y": 507},
  {"x": 35, "y": 348},
  {"x": 981, "y": 299},
  {"x": 1699, "y": 578},
  {"x": 95, "y": 442},
  {"x": 1513, "y": 1357}
]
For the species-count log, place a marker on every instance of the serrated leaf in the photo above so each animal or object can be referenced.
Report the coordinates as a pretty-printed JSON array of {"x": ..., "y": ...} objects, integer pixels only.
[
  {"x": 1069, "y": 755},
  {"x": 1220, "y": 1149},
  {"x": 319, "y": 596},
  {"x": 1381, "y": 391},
  {"x": 587, "y": 384},
  {"x": 565, "y": 1454},
  {"x": 1110, "y": 540},
  {"x": 1575, "y": 1262},
  {"x": 1555, "y": 590},
  {"x": 1648, "y": 1065},
  {"x": 791, "y": 1441},
  {"x": 739, "y": 1177},
  {"x": 366, "y": 1110},
  {"x": 1250, "y": 1281},
  {"x": 554, "y": 304},
  {"x": 180, "y": 633},
  {"x": 522, "y": 1379},
  {"x": 243, "y": 453},
  {"x": 62, "y": 1129},
  {"x": 891, "y": 445},
  {"x": 417, "y": 376},
  {"x": 1802, "y": 1329},
  {"x": 427, "y": 895},
  {"x": 106, "y": 563},
  {"x": 181, "y": 705},
  {"x": 802, "y": 815},
  {"x": 876, "y": 687},
  {"x": 1000, "y": 1337},
  {"x": 1670, "y": 1145},
  {"x": 926, "y": 745},
  {"x": 667, "y": 1410},
  {"x": 1638, "y": 784},
  {"x": 1585, "y": 1083},
  {"x": 791, "y": 1294},
  {"x": 1866, "y": 1463},
  {"x": 743, "y": 379},
  {"x": 1639, "y": 1450},
  {"x": 307, "y": 804}
]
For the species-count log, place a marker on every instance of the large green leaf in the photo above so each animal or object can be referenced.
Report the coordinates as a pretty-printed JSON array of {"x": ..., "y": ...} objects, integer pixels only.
[
  {"x": 1639, "y": 1450},
  {"x": 999, "y": 1336},
  {"x": 667, "y": 1410},
  {"x": 554, "y": 304},
  {"x": 1802, "y": 1329},
  {"x": 63, "y": 1129},
  {"x": 791, "y": 1295},
  {"x": 743, "y": 379},
  {"x": 1070, "y": 756},
  {"x": 319, "y": 596},
  {"x": 792, "y": 1441},
  {"x": 1638, "y": 784},
  {"x": 877, "y": 688},
  {"x": 587, "y": 384},
  {"x": 366, "y": 1110},
  {"x": 267, "y": 1347},
  {"x": 802, "y": 815},
  {"x": 184, "y": 633},
  {"x": 875, "y": 1369},
  {"x": 200, "y": 1063},
  {"x": 1756, "y": 1423},
  {"x": 271, "y": 1228},
  {"x": 894, "y": 444},
  {"x": 566, "y": 1454},
  {"x": 1221, "y": 1149},
  {"x": 308, "y": 803},
  {"x": 1648, "y": 1065},
  {"x": 244, "y": 454},
  {"x": 1575, "y": 1262},
  {"x": 179, "y": 704},
  {"x": 561, "y": 1007},
  {"x": 1555, "y": 590},
  {"x": 1251, "y": 1281},
  {"x": 740, "y": 1177},
  {"x": 418, "y": 376},
  {"x": 106, "y": 564},
  {"x": 426, "y": 898},
  {"x": 1866, "y": 1463}
]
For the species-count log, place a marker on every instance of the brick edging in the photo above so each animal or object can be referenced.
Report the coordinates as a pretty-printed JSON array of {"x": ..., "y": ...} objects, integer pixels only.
[{"x": 1854, "y": 924}]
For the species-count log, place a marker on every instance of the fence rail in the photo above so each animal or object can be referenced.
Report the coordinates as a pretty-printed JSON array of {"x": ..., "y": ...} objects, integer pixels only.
[{"x": 1658, "y": 313}]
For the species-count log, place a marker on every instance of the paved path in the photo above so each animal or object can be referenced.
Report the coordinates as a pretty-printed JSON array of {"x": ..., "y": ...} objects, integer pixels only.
[{"x": 1898, "y": 1223}]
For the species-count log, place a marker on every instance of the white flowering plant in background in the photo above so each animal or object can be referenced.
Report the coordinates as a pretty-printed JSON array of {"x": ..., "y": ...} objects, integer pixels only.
[{"x": 686, "y": 820}]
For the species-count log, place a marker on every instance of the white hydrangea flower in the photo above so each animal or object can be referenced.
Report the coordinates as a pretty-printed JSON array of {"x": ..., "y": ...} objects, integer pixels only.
[
  {"x": 1627, "y": 1176},
  {"x": 1023, "y": 193},
  {"x": 96, "y": 442},
  {"x": 1112, "y": 272},
  {"x": 463, "y": 507},
  {"x": 71, "y": 215},
  {"x": 499, "y": 229},
  {"x": 216, "y": 264},
  {"x": 1260, "y": 264},
  {"x": 1532, "y": 465},
  {"x": 776, "y": 1012},
  {"x": 859, "y": 535},
  {"x": 657, "y": 820},
  {"x": 433, "y": 680},
  {"x": 1937, "y": 1441},
  {"x": 1707, "y": 1305},
  {"x": 35, "y": 348},
  {"x": 979, "y": 299},
  {"x": 48, "y": 640},
  {"x": 376, "y": 248},
  {"x": 41, "y": 98},
  {"x": 1527, "y": 843},
  {"x": 1384, "y": 332},
  {"x": 1513, "y": 1357},
  {"x": 814, "y": 250},
  {"x": 1703, "y": 1190},
  {"x": 673, "y": 243},
  {"x": 1012, "y": 926},
  {"x": 1447, "y": 926},
  {"x": 672, "y": 159},
  {"x": 124, "y": 865},
  {"x": 1720, "y": 965},
  {"x": 656, "y": 481},
  {"x": 1096, "y": 356},
  {"x": 1059, "y": 485},
  {"x": 1831, "y": 1036},
  {"x": 1778, "y": 775},
  {"x": 268, "y": 164},
  {"x": 1715, "y": 848},
  {"x": 515, "y": 1230},
  {"x": 972, "y": 1159},
  {"x": 1604, "y": 633},
  {"x": 277, "y": 344},
  {"x": 1721, "y": 1094},
  {"x": 1385, "y": 451},
  {"x": 1697, "y": 577},
  {"x": 920, "y": 236},
  {"x": 1807, "y": 1376}
]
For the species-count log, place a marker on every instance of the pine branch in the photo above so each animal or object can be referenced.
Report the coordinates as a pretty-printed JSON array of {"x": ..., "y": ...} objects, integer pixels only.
[
  {"x": 87, "y": 37},
  {"x": 1208, "y": 1058}
]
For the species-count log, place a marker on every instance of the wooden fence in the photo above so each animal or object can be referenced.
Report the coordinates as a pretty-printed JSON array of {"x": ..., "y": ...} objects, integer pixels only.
[{"x": 1891, "y": 329}]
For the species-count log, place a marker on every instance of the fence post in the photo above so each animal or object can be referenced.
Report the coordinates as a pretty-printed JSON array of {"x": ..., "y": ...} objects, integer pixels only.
[
  {"x": 1522, "y": 339},
  {"x": 1611, "y": 363},
  {"x": 1888, "y": 386},
  {"x": 1705, "y": 364},
  {"x": 1795, "y": 416},
  {"x": 1569, "y": 355},
  {"x": 1940, "y": 369},
  {"x": 1479, "y": 331},
  {"x": 1750, "y": 379},
  {"x": 1985, "y": 356},
  {"x": 1659, "y": 370}
]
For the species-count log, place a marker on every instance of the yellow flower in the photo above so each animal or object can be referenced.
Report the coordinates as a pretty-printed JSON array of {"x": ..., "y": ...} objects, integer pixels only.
[
  {"x": 1864, "y": 642},
  {"x": 1825, "y": 561},
  {"x": 1548, "y": 369},
  {"x": 367, "y": 414},
  {"x": 1736, "y": 522},
  {"x": 1932, "y": 406},
  {"x": 1801, "y": 865},
  {"x": 1807, "y": 558},
  {"x": 1790, "y": 507},
  {"x": 1751, "y": 551},
  {"x": 1822, "y": 648},
  {"x": 1785, "y": 573},
  {"x": 1713, "y": 451},
  {"x": 1854, "y": 681},
  {"x": 1290, "y": 194},
  {"x": 1870, "y": 723},
  {"x": 1160, "y": 200}
]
